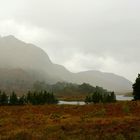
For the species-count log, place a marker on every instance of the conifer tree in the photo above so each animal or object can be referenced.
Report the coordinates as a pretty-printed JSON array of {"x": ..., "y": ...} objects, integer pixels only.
[
  {"x": 136, "y": 88},
  {"x": 13, "y": 99},
  {"x": 3, "y": 98}
]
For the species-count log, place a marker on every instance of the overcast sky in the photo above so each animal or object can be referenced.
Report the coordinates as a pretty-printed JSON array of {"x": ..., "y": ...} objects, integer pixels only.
[{"x": 79, "y": 34}]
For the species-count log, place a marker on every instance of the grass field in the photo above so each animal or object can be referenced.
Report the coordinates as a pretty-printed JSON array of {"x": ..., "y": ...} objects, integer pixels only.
[{"x": 114, "y": 121}]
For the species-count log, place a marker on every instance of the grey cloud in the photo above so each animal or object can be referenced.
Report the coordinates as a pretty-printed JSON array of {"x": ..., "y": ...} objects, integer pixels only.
[{"x": 81, "y": 34}]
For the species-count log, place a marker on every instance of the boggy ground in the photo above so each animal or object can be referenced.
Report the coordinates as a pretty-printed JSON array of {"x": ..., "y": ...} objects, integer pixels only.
[{"x": 114, "y": 121}]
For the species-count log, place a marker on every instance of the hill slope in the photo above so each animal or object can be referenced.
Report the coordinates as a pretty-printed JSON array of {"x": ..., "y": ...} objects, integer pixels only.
[{"x": 34, "y": 64}]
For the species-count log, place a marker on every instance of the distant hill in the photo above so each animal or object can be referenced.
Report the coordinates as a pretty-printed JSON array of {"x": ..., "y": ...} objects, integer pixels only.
[
  {"x": 21, "y": 64},
  {"x": 107, "y": 80}
]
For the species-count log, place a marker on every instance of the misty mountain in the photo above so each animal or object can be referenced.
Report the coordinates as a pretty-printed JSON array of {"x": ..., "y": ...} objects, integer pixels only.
[{"x": 21, "y": 64}]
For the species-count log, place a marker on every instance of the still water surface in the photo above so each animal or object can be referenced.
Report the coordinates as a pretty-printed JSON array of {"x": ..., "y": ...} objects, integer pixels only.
[{"x": 118, "y": 97}]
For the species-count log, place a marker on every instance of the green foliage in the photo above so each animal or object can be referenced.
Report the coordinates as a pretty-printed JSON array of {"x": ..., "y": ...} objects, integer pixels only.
[
  {"x": 3, "y": 98},
  {"x": 22, "y": 100},
  {"x": 42, "y": 97},
  {"x": 13, "y": 100},
  {"x": 88, "y": 99},
  {"x": 64, "y": 88},
  {"x": 86, "y": 88},
  {"x": 103, "y": 97},
  {"x": 136, "y": 88},
  {"x": 35, "y": 98},
  {"x": 39, "y": 94}
]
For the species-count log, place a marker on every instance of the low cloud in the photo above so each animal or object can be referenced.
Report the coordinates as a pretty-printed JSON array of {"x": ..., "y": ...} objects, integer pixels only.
[
  {"x": 79, "y": 34},
  {"x": 22, "y": 30}
]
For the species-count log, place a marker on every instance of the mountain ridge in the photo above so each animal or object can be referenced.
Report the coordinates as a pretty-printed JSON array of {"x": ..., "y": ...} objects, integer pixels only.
[{"x": 16, "y": 54}]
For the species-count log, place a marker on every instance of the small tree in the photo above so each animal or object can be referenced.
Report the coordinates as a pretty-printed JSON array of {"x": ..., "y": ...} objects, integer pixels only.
[
  {"x": 98, "y": 97},
  {"x": 3, "y": 98},
  {"x": 22, "y": 100},
  {"x": 136, "y": 88},
  {"x": 113, "y": 97},
  {"x": 13, "y": 99},
  {"x": 88, "y": 99},
  {"x": 29, "y": 97}
]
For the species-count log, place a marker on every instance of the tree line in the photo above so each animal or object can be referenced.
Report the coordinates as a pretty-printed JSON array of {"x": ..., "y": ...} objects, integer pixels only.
[
  {"x": 94, "y": 94},
  {"x": 34, "y": 98},
  {"x": 99, "y": 97},
  {"x": 65, "y": 88}
]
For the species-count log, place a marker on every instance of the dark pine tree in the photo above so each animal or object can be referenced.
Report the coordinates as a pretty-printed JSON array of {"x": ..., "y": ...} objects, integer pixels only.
[
  {"x": 3, "y": 98},
  {"x": 13, "y": 99},
  {"x": 22, "y": 100},
  {"x": 136, "y": 88},
  {"x": 88, "y": 99}
]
